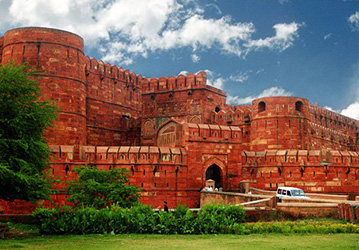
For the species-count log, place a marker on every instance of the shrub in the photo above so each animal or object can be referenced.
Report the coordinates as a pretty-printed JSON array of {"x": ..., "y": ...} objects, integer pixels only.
[
  {"x": 100, "y": 188},
  {"x": 138, "y": 219}
]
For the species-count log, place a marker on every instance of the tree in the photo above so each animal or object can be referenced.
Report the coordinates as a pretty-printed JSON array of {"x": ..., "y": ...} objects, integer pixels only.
[
  {"x": 24, "y": 153},
  {"x": 100, "y": 188}
]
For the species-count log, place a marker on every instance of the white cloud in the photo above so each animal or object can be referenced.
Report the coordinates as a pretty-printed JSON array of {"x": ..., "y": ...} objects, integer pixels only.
[
  {"x": 285, "y": 35},
  {"x": 354, "y": 21},
  {"x": 195, "y": 58},
  {"x": 214, "y": 80},
  {"x": 125, "y": 29},
  {"x": 242, "y": 77},
  {"x": 352, "y": 111},
  {"x": 327, "y": 36},
  {"x": 273, "y": 91}
]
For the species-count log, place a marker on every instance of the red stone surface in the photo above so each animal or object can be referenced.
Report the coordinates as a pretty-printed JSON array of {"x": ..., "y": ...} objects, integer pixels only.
[{"x": 174, "y": 133}]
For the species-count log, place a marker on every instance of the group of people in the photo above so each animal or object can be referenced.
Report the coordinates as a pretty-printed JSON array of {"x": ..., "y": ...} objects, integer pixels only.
[{"x": 210, "y": 188}]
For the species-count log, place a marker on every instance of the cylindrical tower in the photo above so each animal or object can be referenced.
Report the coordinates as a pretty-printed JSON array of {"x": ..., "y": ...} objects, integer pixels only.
[
  {"x": 58, "y": 57},
  {"x": 280, "y": 123}
]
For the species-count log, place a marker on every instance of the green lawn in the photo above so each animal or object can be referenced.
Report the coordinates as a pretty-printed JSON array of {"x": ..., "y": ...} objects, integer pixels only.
[{"x": 255, "y": 241}]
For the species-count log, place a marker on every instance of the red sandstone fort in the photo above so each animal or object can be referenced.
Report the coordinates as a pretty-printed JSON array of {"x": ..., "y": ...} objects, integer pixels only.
[{"x": 174, "y": 133}]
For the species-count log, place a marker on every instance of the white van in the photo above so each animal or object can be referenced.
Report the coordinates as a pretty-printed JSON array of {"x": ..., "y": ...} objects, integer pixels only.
[{"x": 290, "y": 192}]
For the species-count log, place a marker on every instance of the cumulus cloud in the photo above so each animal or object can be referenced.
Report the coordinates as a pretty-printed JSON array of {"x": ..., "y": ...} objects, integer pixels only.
[
  {"x": 354, "y": 21},
  {"x": 285, "y": 35},
  {"x": 273, "y": 91},
  {"x": 125, "y": 29},
  {"x": 352, "y": 111},
  {"x": 214, "y": 80}
]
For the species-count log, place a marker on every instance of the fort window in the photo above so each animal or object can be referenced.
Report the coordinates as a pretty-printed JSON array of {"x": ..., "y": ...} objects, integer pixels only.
[
  {"x": 167, "y": 185},
  {"x": 144, "y": 172},
  {"x": 290, "y": 173},
  {"x": 155, "y": 171},
  {"x": 347, "y": 173},
  {"x": 110, "y": 167},
  {"x": 66, "y": 170},
  {"x": 141, "y": 184},
  {"x": 132, "y": 171},
  {"x": 155, "y": 184},
  {"x": 299, "y": 106},
  {"x": 261, "y": 107},
  {"x": 217, "y": 109}
]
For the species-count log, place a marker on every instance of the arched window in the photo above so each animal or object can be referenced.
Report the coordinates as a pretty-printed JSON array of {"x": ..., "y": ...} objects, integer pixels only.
[
  {"x": 261, "y": 107},
  {"x": 299, "y": 106}
]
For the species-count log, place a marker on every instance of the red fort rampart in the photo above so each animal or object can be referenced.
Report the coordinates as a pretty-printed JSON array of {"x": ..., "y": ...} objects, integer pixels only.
[{"x": 174, "y": 133}]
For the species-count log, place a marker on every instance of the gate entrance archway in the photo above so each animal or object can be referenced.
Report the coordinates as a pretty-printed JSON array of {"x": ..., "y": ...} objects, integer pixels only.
[{"x": 214, "y": 173}]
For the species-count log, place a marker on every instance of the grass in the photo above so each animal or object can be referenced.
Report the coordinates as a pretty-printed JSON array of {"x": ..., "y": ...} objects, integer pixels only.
[
  {"x": 132, "y": 241},
  {"x": 28, "y": 237}
]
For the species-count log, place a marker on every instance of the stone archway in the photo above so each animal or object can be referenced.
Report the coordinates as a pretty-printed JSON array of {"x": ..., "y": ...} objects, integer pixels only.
[{"x": 213, "y": 172}]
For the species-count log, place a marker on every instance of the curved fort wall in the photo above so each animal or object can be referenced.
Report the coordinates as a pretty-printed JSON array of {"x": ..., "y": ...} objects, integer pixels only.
[
  {"x": 58, "y": 56},
  {"x": 174, "y": 133}
]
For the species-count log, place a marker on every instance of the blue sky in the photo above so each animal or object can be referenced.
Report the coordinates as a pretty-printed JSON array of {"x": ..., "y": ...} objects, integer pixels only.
[{"x": 249, "y": 48}]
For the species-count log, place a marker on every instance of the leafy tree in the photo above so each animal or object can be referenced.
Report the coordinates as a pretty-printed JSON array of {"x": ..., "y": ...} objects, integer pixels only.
[
  {"x": 100, "y": 188},
  {"x": 24, "y": 154}
]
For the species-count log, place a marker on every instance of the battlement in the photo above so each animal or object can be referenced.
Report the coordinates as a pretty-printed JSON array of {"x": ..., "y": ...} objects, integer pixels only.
[
  {"x": 112, "y": 72},
  {"x": 172, "y": 83},
  {"x": 212, "y": 133},
  {"x": 301, "y": 158},
  {"x": 124, "y": 155},
  {"x": 232, "y": 115},
  {"x": 333, "y": 120}
]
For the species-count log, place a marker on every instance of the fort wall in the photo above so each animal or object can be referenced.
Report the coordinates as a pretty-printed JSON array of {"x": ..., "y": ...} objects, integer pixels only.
[
  {"x": 327, "y": 171},
  {"x": 174, "y": 133}
]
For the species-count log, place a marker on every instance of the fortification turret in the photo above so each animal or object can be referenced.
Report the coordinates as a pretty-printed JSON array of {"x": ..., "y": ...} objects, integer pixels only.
[
  {"x": 280, "y": 123},
  {"x": 58, "y": 56}
]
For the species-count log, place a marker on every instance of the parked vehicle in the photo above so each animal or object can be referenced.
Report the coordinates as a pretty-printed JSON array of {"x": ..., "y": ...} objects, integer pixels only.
[{"x": 290, "y": 192}]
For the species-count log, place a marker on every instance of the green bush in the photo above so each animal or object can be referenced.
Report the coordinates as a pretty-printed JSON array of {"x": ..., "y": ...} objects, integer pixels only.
[
  {"x": 139, "y": 219},
  {"x": 99, "y": 188}
]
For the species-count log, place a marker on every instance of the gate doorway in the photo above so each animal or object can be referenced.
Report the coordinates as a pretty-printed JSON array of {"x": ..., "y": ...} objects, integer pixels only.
[{"x": 214, "y": 173}]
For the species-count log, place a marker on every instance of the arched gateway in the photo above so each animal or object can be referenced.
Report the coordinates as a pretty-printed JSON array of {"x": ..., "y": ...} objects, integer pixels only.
[{"x": 214, "y": 173}]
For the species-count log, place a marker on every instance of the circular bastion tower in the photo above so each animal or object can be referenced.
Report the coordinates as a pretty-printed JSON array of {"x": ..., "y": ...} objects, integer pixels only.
[
  {"x": 58, "y": 57},
  {"x": 280, "y": 123}
]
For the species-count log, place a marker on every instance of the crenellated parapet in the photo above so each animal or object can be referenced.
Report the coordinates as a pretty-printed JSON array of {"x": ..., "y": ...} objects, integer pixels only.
[
  {"x": 333, "y": 120},
  {"x": 320, "y": 162},
  {"x": 172, "y": 83},
  {"x": 301, "y": 158},
  {"x": 212, "y": 133},
  {"x": 328, "y": 138},
  {"x": 129, "y": 155},
  {"x": 232, "y": 115}
]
